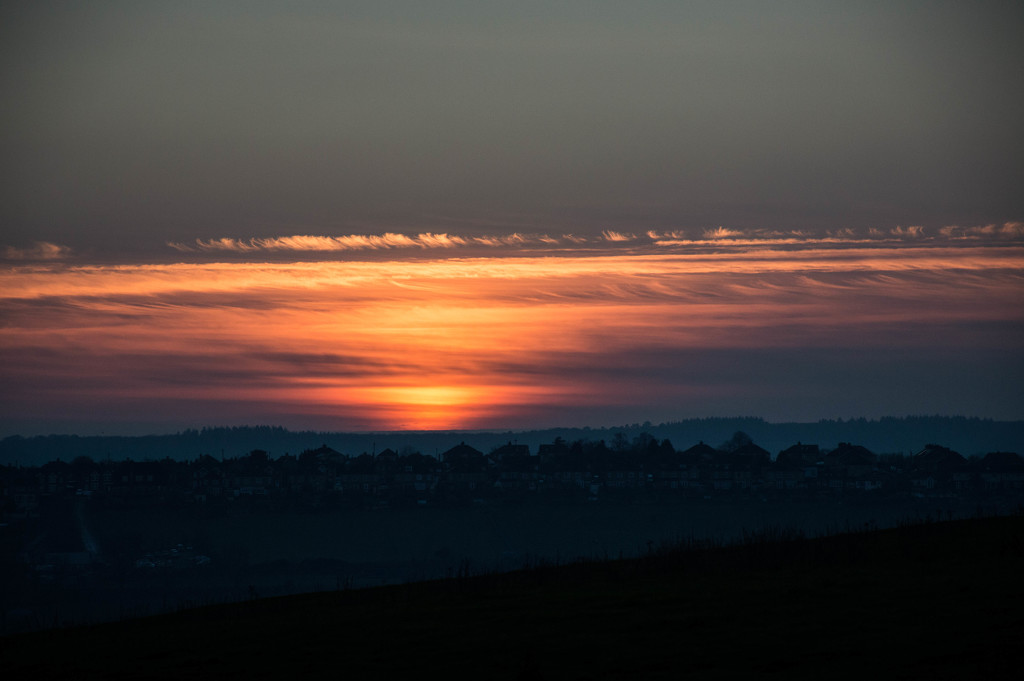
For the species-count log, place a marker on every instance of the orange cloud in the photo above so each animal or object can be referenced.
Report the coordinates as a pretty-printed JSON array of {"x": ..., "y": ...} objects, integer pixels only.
[
  {"x": 460, "y": 342},
  {"x": 721, "y": 233}
]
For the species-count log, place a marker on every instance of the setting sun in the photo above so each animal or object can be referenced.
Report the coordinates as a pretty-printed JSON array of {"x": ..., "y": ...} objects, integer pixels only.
[
  {"x": 428, "y": 407},
  {"x": 455, "y": 343}
]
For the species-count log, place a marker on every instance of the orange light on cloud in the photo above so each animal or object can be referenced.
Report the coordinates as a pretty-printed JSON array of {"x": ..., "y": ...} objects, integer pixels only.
[{"x": 465, "y": 342}]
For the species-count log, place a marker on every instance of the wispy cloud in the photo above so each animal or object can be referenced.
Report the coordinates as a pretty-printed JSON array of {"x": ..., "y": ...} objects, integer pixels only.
[
  {"x": 361, "y": 242},
  {"x": 40, "y": 250},
  {"x": 719, "y": 237},
  {"x": 617, "y": 237},
  {"x": 407, "y": 343},
  {"x": 721, "y": 233},
  {"x": 913, "y": 231},
  {"x": 1013, "y": 229},
  {"x": 1007, "y": 230}
]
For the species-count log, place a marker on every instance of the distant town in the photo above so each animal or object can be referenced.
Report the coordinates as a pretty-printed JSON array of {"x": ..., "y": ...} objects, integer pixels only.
[
  {"x": 641, "y": 468},
  {"x": 84, "y": 540}
]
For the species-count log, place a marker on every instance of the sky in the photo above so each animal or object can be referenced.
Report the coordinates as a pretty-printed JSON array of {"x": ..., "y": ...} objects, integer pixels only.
[{"x": 426, "y": 215}]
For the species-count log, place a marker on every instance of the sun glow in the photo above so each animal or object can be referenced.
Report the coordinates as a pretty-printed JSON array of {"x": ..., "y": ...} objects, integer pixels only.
[
  {"x": 427, "y": 407},
  {"x": 475, "y": 342}
]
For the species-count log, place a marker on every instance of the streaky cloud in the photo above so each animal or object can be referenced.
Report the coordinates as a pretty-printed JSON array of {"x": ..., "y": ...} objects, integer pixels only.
[
  {"x": 913, "y": 231},
  {"x": 721, "y": 233},
  {"x": 466, "y": 341},
  {"x": 718, "y": 237},
  {"x": 1007, "y": 230},
  {"x": 40, "y": 250}
]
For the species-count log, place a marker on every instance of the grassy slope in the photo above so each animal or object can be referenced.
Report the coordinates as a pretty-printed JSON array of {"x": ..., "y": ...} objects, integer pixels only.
[{"x": 944, "y": 600}]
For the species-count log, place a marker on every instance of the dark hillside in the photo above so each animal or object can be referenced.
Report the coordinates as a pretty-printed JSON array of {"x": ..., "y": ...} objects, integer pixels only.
[{"x": 940, "y": 600}]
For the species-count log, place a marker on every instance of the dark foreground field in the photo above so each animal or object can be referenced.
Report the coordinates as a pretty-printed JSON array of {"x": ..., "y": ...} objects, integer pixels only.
[{"x": 940, "y": 600}]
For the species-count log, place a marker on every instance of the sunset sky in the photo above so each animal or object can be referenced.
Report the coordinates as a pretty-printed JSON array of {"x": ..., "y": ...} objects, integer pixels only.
[{"x": 434, "y": 215}]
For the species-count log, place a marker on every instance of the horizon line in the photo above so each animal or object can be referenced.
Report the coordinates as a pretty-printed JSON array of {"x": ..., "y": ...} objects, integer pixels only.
[{"x": 499, "y": 430}]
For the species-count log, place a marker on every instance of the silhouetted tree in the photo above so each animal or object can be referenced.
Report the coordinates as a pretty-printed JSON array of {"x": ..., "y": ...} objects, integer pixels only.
[{"x": 739, "y": 439}]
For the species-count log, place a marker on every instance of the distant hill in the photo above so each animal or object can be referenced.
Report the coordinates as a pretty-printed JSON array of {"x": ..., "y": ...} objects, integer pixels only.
[
  {"x": 969, "y": 436},
  {"x": 938, "y": 600}
]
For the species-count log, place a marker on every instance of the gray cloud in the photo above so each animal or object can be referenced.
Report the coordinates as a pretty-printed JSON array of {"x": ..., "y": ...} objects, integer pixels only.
[{"x": 40, "y": 250}]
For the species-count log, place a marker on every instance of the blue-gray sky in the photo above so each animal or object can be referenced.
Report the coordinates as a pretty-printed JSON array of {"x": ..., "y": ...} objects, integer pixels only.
[{"x": 134, "y": 123}]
